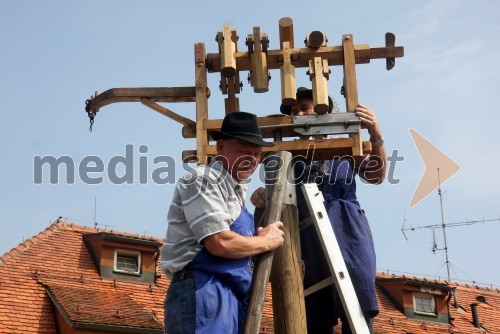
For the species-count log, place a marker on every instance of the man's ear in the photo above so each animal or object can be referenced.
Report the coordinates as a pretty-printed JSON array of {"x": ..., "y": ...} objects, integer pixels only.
[{"x": 220, "y": 146}]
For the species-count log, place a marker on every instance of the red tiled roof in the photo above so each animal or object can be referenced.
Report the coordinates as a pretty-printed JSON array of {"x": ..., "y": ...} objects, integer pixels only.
[
  {"x": 391, "y": 320},
  {"x": 103, "y": 305},
  {"x": 57, "y": 260},
  {"x": 56, "y": 263}
]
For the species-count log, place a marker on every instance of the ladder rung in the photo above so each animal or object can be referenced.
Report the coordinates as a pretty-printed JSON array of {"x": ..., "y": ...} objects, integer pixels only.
[
  {"x": 306, "y": 223},
  {"x": 318, "y": 286}
]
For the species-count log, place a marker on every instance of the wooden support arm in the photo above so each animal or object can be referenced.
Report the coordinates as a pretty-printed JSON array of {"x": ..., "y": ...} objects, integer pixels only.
[
  {"x": 170, "y": 114},
  {"x": 157, "y": 94}
]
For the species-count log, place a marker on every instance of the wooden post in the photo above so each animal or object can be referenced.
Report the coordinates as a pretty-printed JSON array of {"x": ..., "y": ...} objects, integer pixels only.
[
  {"x": 351, "y": 90},
  {"x": 276, "y": 178},
  {"x": 286, "y": 275},
  {"x": 201, "y": 102}
]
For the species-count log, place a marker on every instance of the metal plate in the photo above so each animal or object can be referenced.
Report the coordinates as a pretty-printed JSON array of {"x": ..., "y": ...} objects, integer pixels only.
[{"x": 327, "y": 124}]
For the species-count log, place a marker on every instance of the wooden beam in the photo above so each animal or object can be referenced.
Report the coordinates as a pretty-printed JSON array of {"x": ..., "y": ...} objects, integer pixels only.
[
  {"x": 263, "y": 263},
  {"x": 351, "y": 88},
  {"x": 158, "y": 94},
  {"x": 201, "y": 100},
  {"x": 289, "y": 310},
  {"x": 303, "y": 149},
  {"x": 169, "y": 113},
  {"x": 300, "y": 57}
]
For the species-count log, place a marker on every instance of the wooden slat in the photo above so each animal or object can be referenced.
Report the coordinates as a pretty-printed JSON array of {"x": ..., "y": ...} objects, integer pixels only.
[
  {"x": 351, "y": 88},
  {"x": 158, "y": 94},
  {"x": 334, "y": 55}
]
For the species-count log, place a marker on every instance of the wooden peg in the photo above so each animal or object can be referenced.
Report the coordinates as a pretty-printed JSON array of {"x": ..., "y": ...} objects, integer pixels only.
[
  {"x": 259, "y": 74},
  {"x": 315, "y": 40},
  {"x": 228, "y": 59},
  {"x": 390, "y": 41},
  {"x": 319, "y": 85},
  {"x": 287, "y": 71},
  {"x": 230, "y": 85},
  {"x": 286, "y": 31}
]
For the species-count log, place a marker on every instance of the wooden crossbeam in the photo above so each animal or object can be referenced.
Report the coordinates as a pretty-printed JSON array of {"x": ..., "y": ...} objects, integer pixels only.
[
  {"x": 300, "y": 57},
  {"x": 306, "y": 149}
]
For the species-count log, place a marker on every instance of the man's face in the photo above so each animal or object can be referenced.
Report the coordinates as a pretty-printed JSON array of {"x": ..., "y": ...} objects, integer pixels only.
[
  {"x": 304, "y": 106},
  {"x": 239, "y": 158}
]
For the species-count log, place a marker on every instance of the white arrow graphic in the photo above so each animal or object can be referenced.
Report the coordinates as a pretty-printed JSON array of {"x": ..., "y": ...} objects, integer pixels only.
[{"x": 438, "y": 167}]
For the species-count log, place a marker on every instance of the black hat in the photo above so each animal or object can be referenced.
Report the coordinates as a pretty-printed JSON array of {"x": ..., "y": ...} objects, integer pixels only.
[
  {"x": 241, "y": 125},
  {"x": 303, "y": 92}
]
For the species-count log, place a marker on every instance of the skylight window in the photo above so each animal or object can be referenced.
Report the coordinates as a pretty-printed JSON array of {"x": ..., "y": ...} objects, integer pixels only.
[{"x": 128, "y": 262}]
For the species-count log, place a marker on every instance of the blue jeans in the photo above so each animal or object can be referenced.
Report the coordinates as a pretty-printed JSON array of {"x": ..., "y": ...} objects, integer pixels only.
[{"x": 180, "y": 307}]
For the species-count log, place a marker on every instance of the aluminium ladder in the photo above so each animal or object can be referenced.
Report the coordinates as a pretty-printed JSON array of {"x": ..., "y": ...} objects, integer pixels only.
[{"x": 340, "y": 276}]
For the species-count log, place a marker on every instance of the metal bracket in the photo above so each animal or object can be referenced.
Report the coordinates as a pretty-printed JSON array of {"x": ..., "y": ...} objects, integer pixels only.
[{"x": 327, "y": 124}]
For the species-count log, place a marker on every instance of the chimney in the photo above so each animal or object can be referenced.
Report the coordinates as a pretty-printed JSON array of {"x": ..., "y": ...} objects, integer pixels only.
[
  {"x": 475, "y": 316},
  {"x": 454, "y": 292}
]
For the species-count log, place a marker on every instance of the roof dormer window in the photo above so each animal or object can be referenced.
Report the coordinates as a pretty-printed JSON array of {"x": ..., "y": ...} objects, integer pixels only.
[
  {"x": 424, "y": 303},
  {"x": 127, "y": 262}
]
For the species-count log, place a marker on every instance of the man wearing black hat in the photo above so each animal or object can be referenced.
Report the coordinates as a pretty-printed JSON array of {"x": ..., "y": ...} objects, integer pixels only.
[
  {"x": 335, "y": 178},
  {"x": 211, "y": 239}
]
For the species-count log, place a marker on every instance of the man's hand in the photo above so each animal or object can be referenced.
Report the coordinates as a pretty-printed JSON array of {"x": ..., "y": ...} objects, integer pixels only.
[
  {"x": 368, "y": 121},
  {"x": 258, "y": 198},
  {"x": 273, "y": 234}
]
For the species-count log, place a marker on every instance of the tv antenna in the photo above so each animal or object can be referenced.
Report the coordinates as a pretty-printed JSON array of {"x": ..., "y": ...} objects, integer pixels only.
[{"x": 442, "y": 226}]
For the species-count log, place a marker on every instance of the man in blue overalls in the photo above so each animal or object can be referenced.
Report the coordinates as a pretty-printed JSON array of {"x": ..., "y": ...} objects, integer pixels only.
[
  {"x": 211, "y": 239},
  {"x": 336, "y": 180}
]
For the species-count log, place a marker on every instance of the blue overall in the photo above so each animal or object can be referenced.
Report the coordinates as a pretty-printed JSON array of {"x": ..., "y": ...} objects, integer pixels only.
[
  {"x": 223, "y": 285},
  {"x": 335, "y": 179}
]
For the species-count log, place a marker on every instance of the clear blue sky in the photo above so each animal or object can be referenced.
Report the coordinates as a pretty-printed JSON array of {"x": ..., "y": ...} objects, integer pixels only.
[{"x": 55, "y": 54}]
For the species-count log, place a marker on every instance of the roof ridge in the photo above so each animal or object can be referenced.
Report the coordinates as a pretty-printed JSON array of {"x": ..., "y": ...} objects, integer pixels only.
[
  {"x": 483, "y": 286},
  {"x": 54, "y": 227},
  {"x": 61, "y": 223}
]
